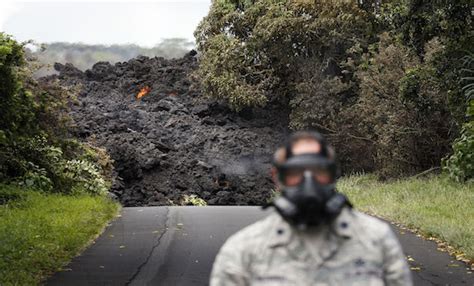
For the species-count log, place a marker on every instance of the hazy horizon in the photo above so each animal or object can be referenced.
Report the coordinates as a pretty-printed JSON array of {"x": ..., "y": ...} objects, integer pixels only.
[{"x": 144, "y": 24}]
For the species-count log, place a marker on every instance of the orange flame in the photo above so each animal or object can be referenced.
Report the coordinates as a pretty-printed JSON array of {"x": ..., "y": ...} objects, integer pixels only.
[{"x": 144, "y": 91}]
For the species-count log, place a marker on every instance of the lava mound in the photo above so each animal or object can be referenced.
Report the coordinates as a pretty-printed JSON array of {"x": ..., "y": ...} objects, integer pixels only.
[{"x": 169, "y": 142}]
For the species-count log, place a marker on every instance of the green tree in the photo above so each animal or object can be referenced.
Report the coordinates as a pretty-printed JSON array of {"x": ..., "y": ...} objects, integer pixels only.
[
  {"x": 16, "y": 103},
  {"x": 35, "y": 147},
  {"x": 402, "y": 109},
  {"x": 252, "y": 51},
  {"x": 418, "y": 22},
  {"x": 460, "y": 165}
]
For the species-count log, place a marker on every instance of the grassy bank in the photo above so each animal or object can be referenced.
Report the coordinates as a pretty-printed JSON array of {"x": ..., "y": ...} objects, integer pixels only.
[
  {"x": 41, "y": 232},
  {"x": 435, "y": 206}
]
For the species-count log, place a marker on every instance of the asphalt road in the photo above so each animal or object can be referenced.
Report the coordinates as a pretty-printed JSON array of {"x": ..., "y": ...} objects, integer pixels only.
[{"x": 177, "y": 245}]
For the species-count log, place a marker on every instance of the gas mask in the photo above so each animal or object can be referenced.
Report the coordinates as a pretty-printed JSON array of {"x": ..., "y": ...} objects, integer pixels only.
[{"x": 309, "y": 196}]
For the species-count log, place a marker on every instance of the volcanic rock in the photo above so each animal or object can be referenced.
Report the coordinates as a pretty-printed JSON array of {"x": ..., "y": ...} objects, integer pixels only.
[{"x": 173, "y": 141}]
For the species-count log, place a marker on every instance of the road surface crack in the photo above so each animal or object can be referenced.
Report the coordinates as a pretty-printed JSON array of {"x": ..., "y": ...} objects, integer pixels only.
[{"x": 140, "y": 267}]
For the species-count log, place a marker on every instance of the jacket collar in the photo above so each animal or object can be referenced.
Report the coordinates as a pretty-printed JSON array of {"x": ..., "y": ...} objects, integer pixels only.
[{"x": 282, "y": 233}]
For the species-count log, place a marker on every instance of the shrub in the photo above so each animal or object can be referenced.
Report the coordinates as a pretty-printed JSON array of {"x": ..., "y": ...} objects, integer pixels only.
[
  {"x": 403, "y": 110},
  {"x": 460, "y": 165},
  {"x": 380, "y": 113},
  {"x": 86, "y": 177},
  {"x": 35, "y": 146},
  {"x": 192, "y": 200},
  {"x": 36, "y": 178},
  {"x": 318, "y": 99},
  {"x": 98, "y": 157},
  {"x": 48, "y": 168}
]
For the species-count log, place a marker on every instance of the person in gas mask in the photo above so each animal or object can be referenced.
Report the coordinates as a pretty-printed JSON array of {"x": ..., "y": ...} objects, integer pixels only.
[{"x": 314, "y": 237}]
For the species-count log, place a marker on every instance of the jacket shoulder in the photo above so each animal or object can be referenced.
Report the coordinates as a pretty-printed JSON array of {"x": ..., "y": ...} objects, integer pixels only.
[
  {"x": 370, "y": 225},
  {"x": 255, "y": 233}
]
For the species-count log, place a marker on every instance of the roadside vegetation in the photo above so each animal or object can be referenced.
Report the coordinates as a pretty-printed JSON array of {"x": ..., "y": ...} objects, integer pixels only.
[
  {"x": 193, "y": 200},
  {"x": 41, "y": 232},
  {"x": 52, "y": 187},
  {"x": 434, "y": 206},
  {"x": 36, "y": 146}
]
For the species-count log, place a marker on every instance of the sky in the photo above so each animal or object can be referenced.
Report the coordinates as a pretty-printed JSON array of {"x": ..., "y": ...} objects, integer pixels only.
[{"x": 102, "y": 22}]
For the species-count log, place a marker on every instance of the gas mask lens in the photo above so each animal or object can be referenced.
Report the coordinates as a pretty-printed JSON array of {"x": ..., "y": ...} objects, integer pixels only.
[{"x": 294, "y": 176}]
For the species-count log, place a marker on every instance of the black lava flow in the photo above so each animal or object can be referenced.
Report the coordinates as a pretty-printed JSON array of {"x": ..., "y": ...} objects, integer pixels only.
[{"x": 173, "y": 142}]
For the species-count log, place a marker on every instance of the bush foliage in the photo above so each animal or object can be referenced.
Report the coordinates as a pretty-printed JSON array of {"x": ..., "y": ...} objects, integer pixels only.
[
  {"x": 252, "y": 51},
  {"x": 379, "y": 78},
  {"x": 35, "y": 148},
  {"x": 460, "y": 165}
]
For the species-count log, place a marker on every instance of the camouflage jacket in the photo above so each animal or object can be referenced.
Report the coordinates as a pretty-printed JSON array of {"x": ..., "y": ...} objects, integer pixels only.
[{"x": 356, "y": 249}]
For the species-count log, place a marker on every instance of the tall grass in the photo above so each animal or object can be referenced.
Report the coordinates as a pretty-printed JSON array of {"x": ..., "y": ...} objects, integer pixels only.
[
  {"x": 39, "y": 233},
  {"x": 435, "y": 206}
]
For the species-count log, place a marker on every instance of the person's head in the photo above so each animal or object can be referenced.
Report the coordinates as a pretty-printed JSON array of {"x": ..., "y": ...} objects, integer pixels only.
[
  {"x": 305, "y": 172},
  {"x": 303, "y": 143}
]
